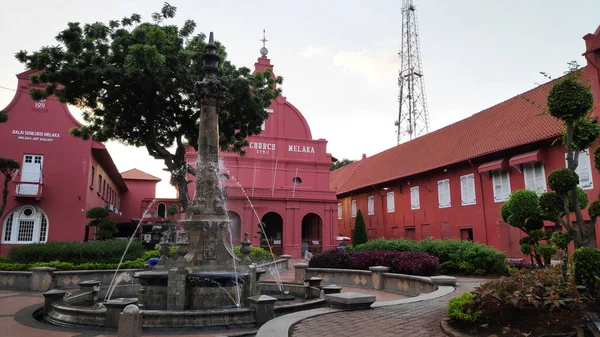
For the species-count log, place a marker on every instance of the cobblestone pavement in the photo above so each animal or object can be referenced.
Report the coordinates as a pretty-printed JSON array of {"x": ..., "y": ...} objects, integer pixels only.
[{"x": 421, "y": 319}]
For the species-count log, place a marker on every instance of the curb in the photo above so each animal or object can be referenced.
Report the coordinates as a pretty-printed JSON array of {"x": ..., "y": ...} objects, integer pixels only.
[{"x": 450, "y": 331}]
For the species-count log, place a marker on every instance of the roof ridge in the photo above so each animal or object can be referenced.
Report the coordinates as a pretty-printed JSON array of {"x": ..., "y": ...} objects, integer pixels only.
[{"x": 351, "y": 173}]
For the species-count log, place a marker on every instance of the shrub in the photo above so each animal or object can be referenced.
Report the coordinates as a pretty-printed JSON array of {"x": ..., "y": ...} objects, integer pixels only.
[
  {"x": 131, "y": 264},
  {"x": 360, "y": 231},
  {"x": 521, "y": 264},
  {"x": 109, "y": 251},
  {"x": 332, "y": 258},
  {"x": 587, "y": 266},
  {"x": 540, "y": 288},
  {"x": 415, "y": 263},
  {"x": 551, "y": 205},
  {"x": 365, "y": 259},
  {"x": 594, "y": 209},
  {"x": 569, "y": 100},
  {"x": 456, "y": 308},
  {"x": 257, "y": 254},
  {"x": 562, "y": 180},
  {"x": 401, "y": 245},
  {"x": 583, "y": 199}
]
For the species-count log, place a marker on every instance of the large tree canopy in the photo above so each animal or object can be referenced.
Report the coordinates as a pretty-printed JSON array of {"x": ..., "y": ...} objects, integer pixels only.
[
  {"x": 8, "y": 167},
  {"x": 136, "y": 83}
]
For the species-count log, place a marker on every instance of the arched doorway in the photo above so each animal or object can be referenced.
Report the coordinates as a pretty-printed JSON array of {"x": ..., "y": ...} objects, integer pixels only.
[
  {"x": 162, "y": 210},
  {"x": 312, "y": 237},
  {"x": 273, "y": 232},
  {"x": 235, "y": 227}
]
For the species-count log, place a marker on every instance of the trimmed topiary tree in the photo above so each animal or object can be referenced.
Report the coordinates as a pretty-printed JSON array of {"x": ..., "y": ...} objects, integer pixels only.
[
  {"x": 359, "y": 235},
  {"x": 105, "y": 229},
  {"x": 173, "y": 209},
  {"x": 8, "y": 167}
]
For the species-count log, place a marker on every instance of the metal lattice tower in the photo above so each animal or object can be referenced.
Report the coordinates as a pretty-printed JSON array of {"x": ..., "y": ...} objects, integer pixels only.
[{"x": 413, "y": 119}]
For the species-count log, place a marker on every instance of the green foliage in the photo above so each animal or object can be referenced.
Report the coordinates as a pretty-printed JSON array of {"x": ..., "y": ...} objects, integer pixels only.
[
  {"x": 586, "y": 262},
  {"x": 106, "y": 228},
  {"x": 455, "y": 256},
  {"x": 569, "y": 100},
  {"x": 597, "y": 159},
  {"x": 173, "y": 209},
  {"x": 561, "y": 240},
  {"x": 585, "y": 132},
  {"x": 75, "y": 252},
  {"x": 360, "y": 231},
  {"x": 551, "y": 206},
  {"x": 137, "y": 83},
  {"x": 505, "y": 211},
  {"x": 594, "y": 209},
  {"x": 7, "y": 167},
  {"x": 583, "y": 199},
  {"x": 522, "y": 206},
  {"x": 59, "y": 265},
  {"x": 341, "y": 163},
  {"x": 526, "y": 248},
  {"x": 527, "y": 289},
  {"x": 96, "y": 213},
  {"x": 457, "y": 311},
  {"x": 546, "y": 250},
  {"x": 257, "y": 254},
  {"x": 562, "y": 180},
  {"x": 3, "y": 117}
]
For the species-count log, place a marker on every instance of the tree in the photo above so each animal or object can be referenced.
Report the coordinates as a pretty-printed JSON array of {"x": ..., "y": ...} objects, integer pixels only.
[
  {"x": 105, "y": 228},
  {"x": 341, "y": 163},
  {"x": 136, "y": 83},
  {"x": 571, "y": 101},
  {"x": 8, "y": 167},
  {"x": 360, "y": 231}
]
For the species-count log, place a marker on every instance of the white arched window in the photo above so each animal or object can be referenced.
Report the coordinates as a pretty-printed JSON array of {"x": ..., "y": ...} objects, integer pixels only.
[{"x": 25, "y": 224}]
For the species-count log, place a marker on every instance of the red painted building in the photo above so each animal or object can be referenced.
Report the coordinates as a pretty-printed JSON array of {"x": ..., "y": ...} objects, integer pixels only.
[
  {"x": 283, "y": 181},
  {"x": 61, "y": 176},
  {"x": 451, "y": 183}
]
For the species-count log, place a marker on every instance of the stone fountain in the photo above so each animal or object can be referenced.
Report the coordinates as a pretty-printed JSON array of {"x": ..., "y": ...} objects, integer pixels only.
[
  {"x": 197, "y": 280},
  {"x": 204, "y": 285}
]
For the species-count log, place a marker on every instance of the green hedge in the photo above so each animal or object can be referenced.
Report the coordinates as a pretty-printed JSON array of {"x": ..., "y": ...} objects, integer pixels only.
[
  {"x": 586, "y": 262},
  {"x": 109, "y": 251},
  {"x": 131, "y": 264},
  {"x": 456, "y": 256}
]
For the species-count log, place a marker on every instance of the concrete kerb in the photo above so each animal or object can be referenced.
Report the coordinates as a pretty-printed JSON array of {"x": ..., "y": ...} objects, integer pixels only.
[{"x": 281, "y": 325}]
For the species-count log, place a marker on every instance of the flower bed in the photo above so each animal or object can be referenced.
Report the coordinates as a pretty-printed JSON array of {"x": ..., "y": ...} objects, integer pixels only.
[{"x": 411, "y": 263}]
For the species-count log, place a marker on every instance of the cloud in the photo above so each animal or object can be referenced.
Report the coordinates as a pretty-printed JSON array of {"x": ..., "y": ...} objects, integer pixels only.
[
  {"x": 310, "y": 51},
  {"x": 379, "y": 69}
]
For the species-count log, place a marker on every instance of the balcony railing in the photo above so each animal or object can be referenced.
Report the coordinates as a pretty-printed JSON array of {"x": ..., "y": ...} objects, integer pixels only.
[{"x": 28, "y": 189}]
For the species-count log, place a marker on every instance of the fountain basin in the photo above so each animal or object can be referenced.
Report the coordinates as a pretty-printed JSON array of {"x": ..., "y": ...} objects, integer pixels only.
[{"x": 205, "y": 290}]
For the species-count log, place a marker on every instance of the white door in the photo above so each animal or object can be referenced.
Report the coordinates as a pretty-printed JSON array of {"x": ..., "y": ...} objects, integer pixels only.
[{"x": 31, "y": 172}]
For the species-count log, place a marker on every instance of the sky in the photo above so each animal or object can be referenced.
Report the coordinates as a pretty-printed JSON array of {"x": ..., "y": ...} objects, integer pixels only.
[{"x": 339, "y": 58}]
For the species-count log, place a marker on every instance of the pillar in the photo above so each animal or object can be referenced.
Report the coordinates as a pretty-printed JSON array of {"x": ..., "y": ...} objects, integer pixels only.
[
  {"x": 377, "y": 276},
  {"x": 42, "y": 278}
]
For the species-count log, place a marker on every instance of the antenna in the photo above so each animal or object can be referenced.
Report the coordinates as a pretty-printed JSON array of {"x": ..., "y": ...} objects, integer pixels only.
[{"x": 413, "y": 119}]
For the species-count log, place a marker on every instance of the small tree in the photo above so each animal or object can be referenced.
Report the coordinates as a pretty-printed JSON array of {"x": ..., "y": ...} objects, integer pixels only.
[
  {"x": 105, "y": 229},
  {"x": 341, "y": 163},
  {"x": 173, "y": 209},
  {"x": 8, "y": 167},
  {"x": 360, "y": 231}
]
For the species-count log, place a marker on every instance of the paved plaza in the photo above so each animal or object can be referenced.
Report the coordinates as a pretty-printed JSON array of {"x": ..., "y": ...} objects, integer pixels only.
[{"x": 412, "y": 319}]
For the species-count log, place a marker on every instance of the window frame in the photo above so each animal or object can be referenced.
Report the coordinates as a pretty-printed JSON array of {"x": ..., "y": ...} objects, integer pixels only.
[
  {"x": 443, "y": 182},
  {"x": 415, "y": 198},
  {"x": 15, "y": 215},
  {"x": 464, "y": 179},
  {"x": 578, "y": 169},
  {"x": 531, "y": 166},
  {"x": 387, "y": 198},
  {"x": 353, "y": 209},
  {"x": 497, "y": 174},
  {"x": 370, "y": 205}
]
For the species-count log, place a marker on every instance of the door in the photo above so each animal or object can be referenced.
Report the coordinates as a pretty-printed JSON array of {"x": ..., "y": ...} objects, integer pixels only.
[{"x": 31, "y": 173}]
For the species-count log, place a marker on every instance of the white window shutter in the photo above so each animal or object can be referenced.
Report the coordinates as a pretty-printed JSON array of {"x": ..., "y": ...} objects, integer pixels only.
[
  {"x": 529, "y": 177},
  {"x": 505, "y": 185},
  {"x": 371, "y": 205},
  {"x": 540, "y": 180},
  {"x": 390, "y": 202},
  {"x": 339, "y": 211},
  {"x": 414, "y": 198}
]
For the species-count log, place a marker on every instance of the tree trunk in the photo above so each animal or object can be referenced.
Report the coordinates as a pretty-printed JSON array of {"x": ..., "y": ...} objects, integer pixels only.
[
  {"x": 7, "y": 179},
  {"x": 572, "y": 162}
]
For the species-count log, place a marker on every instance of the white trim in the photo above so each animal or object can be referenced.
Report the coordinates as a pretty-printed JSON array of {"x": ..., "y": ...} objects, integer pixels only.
[
  {"x": 353, "y": 208},
  {"x": 467, "y": 189},
  {"x": 534, "y": 175},
  {"x": 390, "y": 202},
  {"x": 584, "y": 168},
  {"x": 501, "y": 179},
  {"x": 371, "y": 205},
  {"x": 340, "y": 211},
  {"x": 19, "y": 218},
  {"x": 444, "y": 198},
  {"x": 415, "y": 199}
]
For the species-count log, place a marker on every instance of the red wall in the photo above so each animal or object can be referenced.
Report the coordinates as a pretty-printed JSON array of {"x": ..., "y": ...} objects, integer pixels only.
[
  {"x": 131, "y": 201},
  {"x": 483, "y": 217}
]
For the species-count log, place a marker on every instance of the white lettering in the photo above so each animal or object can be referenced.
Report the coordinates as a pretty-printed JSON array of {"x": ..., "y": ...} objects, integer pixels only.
[
  {"x": 37, "y": 135},
  {"x": 264, "y": 148},
  {"x": 301, "y": 149}
]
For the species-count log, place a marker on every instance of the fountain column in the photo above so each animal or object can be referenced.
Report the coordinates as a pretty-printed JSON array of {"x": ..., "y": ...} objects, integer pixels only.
[{"x": 207, "y": 223}]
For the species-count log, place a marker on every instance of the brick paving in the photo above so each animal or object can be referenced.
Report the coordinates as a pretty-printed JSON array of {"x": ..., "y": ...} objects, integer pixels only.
[{"x": 421, "y": 319}]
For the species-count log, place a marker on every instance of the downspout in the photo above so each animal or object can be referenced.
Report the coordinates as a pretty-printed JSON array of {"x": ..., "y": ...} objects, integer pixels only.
[{"x": 482, "y": 204}]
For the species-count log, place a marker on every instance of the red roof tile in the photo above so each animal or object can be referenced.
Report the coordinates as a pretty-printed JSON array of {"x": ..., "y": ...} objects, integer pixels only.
[
  {"x": 338, "y": 177},
  {"x": 512, "y": 123},
  {"x": 135, "y": 174}
]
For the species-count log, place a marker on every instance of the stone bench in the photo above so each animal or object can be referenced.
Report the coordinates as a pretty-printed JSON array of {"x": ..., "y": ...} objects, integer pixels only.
[{"x": 350, "y": 301}]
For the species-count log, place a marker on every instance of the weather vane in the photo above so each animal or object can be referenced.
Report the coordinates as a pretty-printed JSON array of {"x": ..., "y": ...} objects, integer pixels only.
[{"x": 264, "y": 51}]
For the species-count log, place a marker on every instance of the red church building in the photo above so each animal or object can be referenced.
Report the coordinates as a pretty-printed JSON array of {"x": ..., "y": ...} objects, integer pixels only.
[
  {"x": 61, "y": 176},
  {"x": 451, "y": 183},
  {"x": 282, "y": 181}
]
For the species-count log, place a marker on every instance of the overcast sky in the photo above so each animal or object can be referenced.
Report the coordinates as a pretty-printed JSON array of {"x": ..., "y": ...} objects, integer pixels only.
[{"x": 339, "y": 58}]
